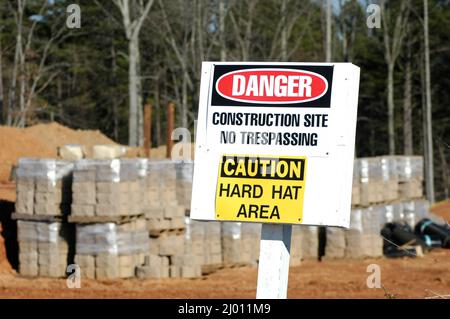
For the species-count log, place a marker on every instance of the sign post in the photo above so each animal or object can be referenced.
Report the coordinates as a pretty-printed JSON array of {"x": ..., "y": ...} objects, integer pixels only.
[
  {"x": 275, "y": 145},
  {"x": 274, "y": 255}
]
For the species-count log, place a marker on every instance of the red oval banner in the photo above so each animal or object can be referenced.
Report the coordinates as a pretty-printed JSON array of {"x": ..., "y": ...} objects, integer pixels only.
[{"x": 272, "y": 86}]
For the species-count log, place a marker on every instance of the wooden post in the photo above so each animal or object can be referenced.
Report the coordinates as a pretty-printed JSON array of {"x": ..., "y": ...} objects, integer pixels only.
[
  {"x": 170, "y": 123},
  {"x": 274, "y": 255},
  {"x": 147, "y": 129}
]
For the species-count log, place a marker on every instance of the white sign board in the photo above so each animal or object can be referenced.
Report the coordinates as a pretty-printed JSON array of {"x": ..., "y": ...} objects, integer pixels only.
[{"x": 275, "y": 143}]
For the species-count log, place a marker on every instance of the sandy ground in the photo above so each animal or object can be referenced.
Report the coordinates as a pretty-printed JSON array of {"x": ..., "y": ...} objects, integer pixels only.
[{"x": 401, "y": 278}]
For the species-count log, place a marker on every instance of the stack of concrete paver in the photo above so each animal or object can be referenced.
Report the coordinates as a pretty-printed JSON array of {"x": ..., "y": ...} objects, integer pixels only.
[
  {"x": 336, "y": 243},
  {"x": 43, "y": 187},
  {"x": 43, "y": 201},
  {"x": 45, "y": 248},
  {"x": 111, "y": 232},
  {"x": 363, "y": 238},
  {"x": 203, "y": 245},
  {"x": 296, "y": 246},
  {"x": 356, "y": 194},
  {"x": 185, "y": 171},
  {"x": 162, "y": 210},
  {"x": 106, "y": 188},
  {"x": 110, "y": 250},
  {"x": 309, "y": 242},
  {"x": 415, "y": 210},
  {"x": 371, "y": 181},
  {"x": 240, "y": 243},
  {"x": 410, "y": 174},
  {"x": 390, "y": 178},
  {"x": 386, "y": 179},
  {"x": 166, "y": 225},
  {"x": 400, "y": 201}
]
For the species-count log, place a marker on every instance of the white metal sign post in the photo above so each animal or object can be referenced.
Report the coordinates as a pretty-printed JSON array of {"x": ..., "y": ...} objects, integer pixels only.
[
  {"x": 275, "y": 145},
  {"x": 274, "y": 256}
]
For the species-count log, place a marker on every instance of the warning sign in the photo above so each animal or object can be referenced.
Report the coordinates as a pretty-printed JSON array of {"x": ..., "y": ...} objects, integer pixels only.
[
  {"x": 275, "y": 142},
  {"x": 261, "y": 189}
]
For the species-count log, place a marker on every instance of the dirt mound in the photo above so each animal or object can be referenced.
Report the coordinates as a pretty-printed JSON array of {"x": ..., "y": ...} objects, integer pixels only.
[
  {"x": 41, "y": 141},
  {"x": 17, "y": 143},
  {"x": 55, "y": 135}
]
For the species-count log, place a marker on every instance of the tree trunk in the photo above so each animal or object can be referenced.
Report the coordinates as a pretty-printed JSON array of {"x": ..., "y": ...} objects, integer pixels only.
[
  {"x": 390, "y": 103},
  {"x": 157, "y": 114},
  {"x": 222, "y": 14},
  {"x": 140, "y": 104},
  {"x": 328, "y": 33},
  {"x": 407, "y": 109},
  {"x": 444, "y": 168},
  {"x": 184, "y": 101},
  {"x": 133, "y": 92},
  {"x": 284, "y": 31},
  {"x": 59, "y": 92},
  {"x": 1, "y": 85},
  {"x": 115, "y": 106},
  {"x": 429, "y": 171}
]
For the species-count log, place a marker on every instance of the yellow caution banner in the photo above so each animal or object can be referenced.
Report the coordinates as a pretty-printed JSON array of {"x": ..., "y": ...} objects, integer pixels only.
[{"x": 266, "y": 189}]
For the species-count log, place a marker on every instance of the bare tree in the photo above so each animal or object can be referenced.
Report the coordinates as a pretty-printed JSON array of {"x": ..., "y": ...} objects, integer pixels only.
[
  {"x": 133, "y": 17},
  {"x": 407, "y": 99},
  {"x": 222, "y": 16},
  {"x": 29, "y": 72},
  {"x": 243, "y": 26},
  {"x": 1, "y": 82},
  {"x": 392, "y": 47},
  {"x": 181, "y": 50},
  {"x": 429, "y": 169},
  {"x": 328, "y": 33}
]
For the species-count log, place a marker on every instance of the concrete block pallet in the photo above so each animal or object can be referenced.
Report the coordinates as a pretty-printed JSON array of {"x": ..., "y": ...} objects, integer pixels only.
[
  {"x": 46, "y": 241},
  {"x": 45, "y": 248},
  {"x": 110, "y": 250},
  {"x": 386, "y": 179},
  {"x": 165, "y": 223},
  {"x": 111, "y": 231},
  {"x": 43, "y": 187},
  {"x": 106, "y": 188}
]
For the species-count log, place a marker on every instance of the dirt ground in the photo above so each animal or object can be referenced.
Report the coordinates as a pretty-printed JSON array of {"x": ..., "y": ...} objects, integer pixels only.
[
  {"x": 424, "y": 277},
  {"x": 402, "y": 278}
]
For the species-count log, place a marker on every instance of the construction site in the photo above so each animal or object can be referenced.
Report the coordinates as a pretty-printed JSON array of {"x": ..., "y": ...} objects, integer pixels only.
[
  {"x": 76, "y": 197},
  {"x": 216, "y": 149}
]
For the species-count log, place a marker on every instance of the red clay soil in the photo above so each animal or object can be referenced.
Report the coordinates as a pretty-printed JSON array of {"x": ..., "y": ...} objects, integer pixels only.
[
  {"x": 41, "y": 141},
  {"x": 442, "y": 209},
  {"x": 401, "y": 278}
]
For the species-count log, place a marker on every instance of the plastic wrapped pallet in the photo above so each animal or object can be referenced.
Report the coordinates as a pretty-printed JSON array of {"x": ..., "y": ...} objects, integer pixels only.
[
  {"x": 213, "y": 244},
  {"x": 251, "y": 237},
  {"x": 335, "y": 245},
  {"x": 43, "y": 187},
  {"x": 391, "y": 213},
  {"x": 195, "y": 239},
  {"x": 162, "y": 210},
  {"x": 296, "y": 248},
  {"x": 371, "y": 181},
  {"x": 356, "y": 196},
  {"x": 310, "y": 242},
  {"x": 410, "y": 172},
  {"x": 231, "y": 243},
  {"x": 106, "y": 188},
  {"x": 390, "y": 178},
  {"x": 109, "y": 250},
  {"x": 176, "y": 254},
  {"x": 415, "y": 210},
  {"x": 185, "y": 171},
  {"x": 240, "y": 243},
  {"x": 45, "y": 249},
  {"x": 363, "y": 238}
]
